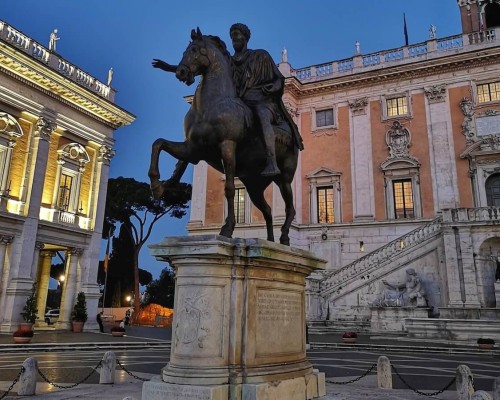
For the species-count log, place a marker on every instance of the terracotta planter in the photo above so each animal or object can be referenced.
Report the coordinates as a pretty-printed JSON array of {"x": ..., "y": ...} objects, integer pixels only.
[
  {"x": 26, "y": 326},
  {"x": 486, "y": 346},
  {"x": 349, "y": 339},
  {"x": 77, "y": 326},
  {"x": 117, "y": 334},
  {"x": 21, "y": 339}
]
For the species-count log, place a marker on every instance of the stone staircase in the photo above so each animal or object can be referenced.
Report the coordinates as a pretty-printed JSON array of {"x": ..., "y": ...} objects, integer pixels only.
[{"x": 373, "y": 266}]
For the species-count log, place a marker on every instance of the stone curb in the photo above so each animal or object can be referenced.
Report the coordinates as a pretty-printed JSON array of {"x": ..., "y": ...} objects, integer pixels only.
[{"x": 45, "y": 347}]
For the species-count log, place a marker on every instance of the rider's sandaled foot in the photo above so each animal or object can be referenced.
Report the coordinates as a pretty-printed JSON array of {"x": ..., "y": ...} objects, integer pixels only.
[{"x": 271, "y": 169}]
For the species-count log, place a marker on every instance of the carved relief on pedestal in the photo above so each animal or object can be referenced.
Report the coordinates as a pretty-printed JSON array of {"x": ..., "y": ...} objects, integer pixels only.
[
  {"x": 436, "y": 93},
  {"x": 358, "y": 106},
  {"x": 190, "y": 323}
]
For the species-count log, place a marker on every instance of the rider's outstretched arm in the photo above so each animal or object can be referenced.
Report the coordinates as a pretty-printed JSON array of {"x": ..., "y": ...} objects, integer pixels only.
[{"x": 163, "y": 65}]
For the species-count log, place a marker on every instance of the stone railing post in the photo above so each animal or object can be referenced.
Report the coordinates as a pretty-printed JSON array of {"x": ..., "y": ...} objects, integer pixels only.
[
  {"x": 27, "y": 381},
  {"x": 465, "y": 388},
  {"x": 384, "y": 373},
  {"x": 108, "y": 367}
]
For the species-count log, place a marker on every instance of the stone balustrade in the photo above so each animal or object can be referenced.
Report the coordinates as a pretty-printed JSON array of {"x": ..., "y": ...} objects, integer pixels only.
[
  {"x": 407, "y": 54},
  {"x": 29, "y": 46},
  {"x": 371, "y": 261},
  {"x": 471, "y": 215}
]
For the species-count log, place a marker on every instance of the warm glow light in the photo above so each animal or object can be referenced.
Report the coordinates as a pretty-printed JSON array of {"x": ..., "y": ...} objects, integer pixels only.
[
  {"x": 128, "y": 298},
  {"x": 62, "y": 278}
]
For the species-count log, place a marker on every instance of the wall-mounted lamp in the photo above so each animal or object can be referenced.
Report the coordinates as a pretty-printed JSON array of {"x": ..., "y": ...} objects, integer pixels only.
[{"x": 361, "y": 246}]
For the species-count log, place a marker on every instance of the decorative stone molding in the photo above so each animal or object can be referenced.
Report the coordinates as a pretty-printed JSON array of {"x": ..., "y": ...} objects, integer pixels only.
[
  {"x": 398, "y": 139},
  {"x": 39, "y": 245},
  {"x": 10, "y": 126},
  {"x": 6, "y": 239},
  {"x": 436, "y": 93},
  {"x": 468, "y": 126},
  {"x": 73, "y": 152},
  {"x": 491, "y": 112},
  {"x": 106, "y": 153},
  {"x": 358, "y": 106},
  {"x": 44, "y": 128},
  {"x": 75, "y": 251}
]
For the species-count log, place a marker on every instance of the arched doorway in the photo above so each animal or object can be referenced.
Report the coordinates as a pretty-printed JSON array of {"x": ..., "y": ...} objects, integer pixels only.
[
  {"x": 493, "y": 190},
  {"x": 487, "y": 267},
  {"x": 492, "y": 15}
]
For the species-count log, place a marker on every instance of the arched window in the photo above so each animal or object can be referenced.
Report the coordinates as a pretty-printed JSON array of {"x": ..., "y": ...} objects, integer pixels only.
[
  {"x": 492, "y": 15},
  {"x": 493, "y": 190}
]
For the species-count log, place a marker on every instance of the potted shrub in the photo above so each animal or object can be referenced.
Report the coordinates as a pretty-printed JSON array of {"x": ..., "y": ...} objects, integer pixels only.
[
  {"x": 485, "y": 343},
  {"x": 30, "y": 311},
  {"x": 349, "y": 337},
  {"x": 79, "y": 314},
  {"x": 22, "y": 336},
  {"x": 117, "y": 330}
]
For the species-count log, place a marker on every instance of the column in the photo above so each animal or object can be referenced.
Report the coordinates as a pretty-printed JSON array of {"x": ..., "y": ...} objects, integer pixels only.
[
  {"x": 90, "y": 259},
  {"x": 42, "y": 286},
  {"x": 36, "y": 256},
  {"x": 468, "y": 267},
  {"x": 199, "y": 196},
  {"x": 361, "y": 161},
  {"x": 453, "y": 269},
  {"x": 4, "y": 269},
  {"x": 69, "y": 290},
  {"x": 442, "y": 157}
]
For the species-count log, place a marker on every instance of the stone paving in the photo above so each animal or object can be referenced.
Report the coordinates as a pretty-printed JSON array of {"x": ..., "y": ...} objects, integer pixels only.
[{"x": 126, "y": 387}]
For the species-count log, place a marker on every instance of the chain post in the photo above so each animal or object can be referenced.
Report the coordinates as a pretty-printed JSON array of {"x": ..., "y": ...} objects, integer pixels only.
[
  {"x": 130, "y": 373},
  {"x": 69, "y": 386},
  {"x": 418, "y": 391},
  {"x": 355, "y": 379},
  {"x": 3, "y": 396}
]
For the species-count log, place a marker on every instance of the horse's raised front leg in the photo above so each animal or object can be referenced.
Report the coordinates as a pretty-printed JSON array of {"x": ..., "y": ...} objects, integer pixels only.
[
  {"x": 180, "y": 150},
  {"x": 228, "y": 152},
  {"x": 287, "y": 194}
]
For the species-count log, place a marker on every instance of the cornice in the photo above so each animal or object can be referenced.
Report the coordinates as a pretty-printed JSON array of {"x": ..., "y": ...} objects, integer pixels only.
[
  {"x": 418, "y": 69},
  {"x": 32, "y": 72}
]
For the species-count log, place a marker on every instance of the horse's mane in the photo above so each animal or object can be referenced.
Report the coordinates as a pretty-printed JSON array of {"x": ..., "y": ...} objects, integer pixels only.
[{"x": 220, "y": 45}]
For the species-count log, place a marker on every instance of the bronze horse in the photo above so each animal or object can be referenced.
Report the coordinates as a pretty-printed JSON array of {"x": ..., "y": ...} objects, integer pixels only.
[{"x": 219, "y": 129}]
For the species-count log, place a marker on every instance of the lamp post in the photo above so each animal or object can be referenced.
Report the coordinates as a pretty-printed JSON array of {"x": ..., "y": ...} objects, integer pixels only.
[{"x": 127, "y": 313}]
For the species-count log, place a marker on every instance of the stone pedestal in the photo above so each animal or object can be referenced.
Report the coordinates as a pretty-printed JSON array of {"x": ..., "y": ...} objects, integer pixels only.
[{"x": 239, "y": 322}]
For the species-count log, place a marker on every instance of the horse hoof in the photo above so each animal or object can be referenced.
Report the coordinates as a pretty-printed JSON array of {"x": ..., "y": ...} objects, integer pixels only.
[
  {"x": 157, "y": 189},
  {"x": 285, "y": 241}
]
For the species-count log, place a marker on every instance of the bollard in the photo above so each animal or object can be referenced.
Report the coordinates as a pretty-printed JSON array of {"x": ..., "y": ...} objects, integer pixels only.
[
  {"x": 384, "y": 373},
  {"x": 481, "y": 395},
  {"x": 496, "y": 389},
  {"x": 465, "y": 390},
  {"x": 27, "y": 380},
  {"x": 108, "y": 366}
]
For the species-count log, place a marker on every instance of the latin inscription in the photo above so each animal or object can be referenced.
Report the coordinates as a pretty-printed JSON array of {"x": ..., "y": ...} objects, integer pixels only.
[
  {"x": 276, "y": 306},
  {"x": 177, "y": 392}
]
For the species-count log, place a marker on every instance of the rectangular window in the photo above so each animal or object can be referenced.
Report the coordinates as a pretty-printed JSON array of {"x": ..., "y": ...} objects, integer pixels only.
[
  {"x": 403, "y": 199},
  {"x": 397, "y": 106},
  {"x": 488, "y": 92},
  {"x": 324, "y": 118},
  {"x": 65, "y": 185},
  {"x": 325, "y": 205},
  {"x": 239, "y": 205}
]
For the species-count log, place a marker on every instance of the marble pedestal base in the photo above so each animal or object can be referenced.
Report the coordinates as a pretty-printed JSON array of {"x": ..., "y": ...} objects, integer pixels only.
[
  {"x": 392, "y": 319},
  {"x": 239, "y": 323}
]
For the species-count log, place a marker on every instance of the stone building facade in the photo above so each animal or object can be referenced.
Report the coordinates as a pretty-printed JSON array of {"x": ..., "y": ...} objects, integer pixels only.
[
  {"x": 56, "y": 143},
  {"x": 401, "y": 171}
]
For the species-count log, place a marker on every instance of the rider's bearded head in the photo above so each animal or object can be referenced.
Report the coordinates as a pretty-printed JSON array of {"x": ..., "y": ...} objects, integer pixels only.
[{"x": 242, "y": 28}]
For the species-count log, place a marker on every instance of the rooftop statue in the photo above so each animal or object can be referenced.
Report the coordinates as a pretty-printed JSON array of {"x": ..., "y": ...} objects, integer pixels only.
[{"x": 237, "y": 123}]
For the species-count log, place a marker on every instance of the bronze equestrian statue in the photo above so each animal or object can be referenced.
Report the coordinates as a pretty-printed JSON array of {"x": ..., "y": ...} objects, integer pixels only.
[{"x": 237, "y": 123}]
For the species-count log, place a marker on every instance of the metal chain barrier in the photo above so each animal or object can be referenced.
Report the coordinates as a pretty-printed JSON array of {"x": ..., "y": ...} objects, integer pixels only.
[
  {"x": 130, "y": 373},
  {"x": 355, "y": 379},
  {"x": 69, "y": 386},
  {"x": 418, "y": 391},
  {"x": 13, "y": 383},
  {"x": 471, "y": 380}
]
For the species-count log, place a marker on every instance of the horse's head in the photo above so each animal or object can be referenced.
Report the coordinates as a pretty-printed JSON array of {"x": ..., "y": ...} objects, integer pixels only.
[
  {"x": 200, "y": 53},
  {"x": 194, "y": 60}
]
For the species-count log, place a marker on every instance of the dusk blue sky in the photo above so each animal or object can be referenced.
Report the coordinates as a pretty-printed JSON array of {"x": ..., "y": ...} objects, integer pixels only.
[{"x": 127, "y": 35}]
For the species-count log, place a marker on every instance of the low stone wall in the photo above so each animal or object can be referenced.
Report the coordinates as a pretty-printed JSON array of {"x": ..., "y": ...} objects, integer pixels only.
[{"x": 453, "y": 329}]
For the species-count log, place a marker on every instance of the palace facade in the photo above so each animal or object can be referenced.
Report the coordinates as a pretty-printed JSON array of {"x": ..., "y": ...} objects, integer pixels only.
[
  {"x": 56, "y": 143},
  {"x": 400, "y": 172}
]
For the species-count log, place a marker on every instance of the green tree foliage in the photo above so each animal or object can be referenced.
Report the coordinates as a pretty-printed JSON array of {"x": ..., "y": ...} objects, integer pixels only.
[
  {"x": 161, "y": 291},
  {"x": 30, "y": 310},
  {"x": 130, "y": 204},
  {"x": 80, "y": 309}
]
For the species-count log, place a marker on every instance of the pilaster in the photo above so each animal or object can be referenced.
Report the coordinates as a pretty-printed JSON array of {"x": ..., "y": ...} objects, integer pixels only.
[
  {"x": 42, "y": 286},
  {"x": 452, "y": 268},
  {"x": 69, "y": 290}
]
